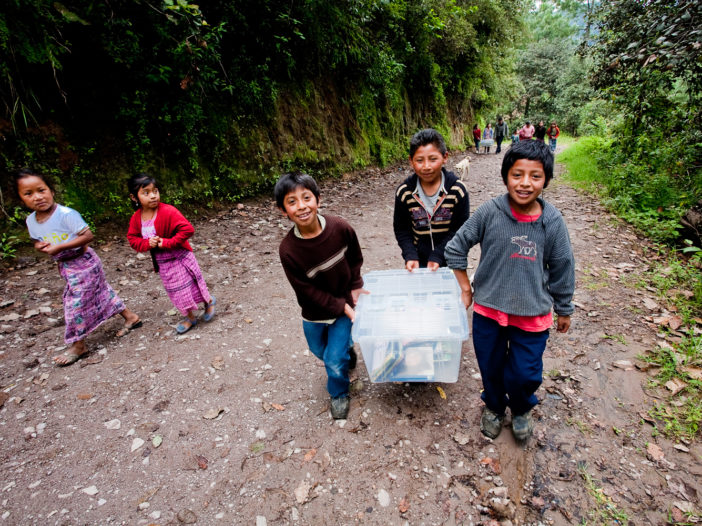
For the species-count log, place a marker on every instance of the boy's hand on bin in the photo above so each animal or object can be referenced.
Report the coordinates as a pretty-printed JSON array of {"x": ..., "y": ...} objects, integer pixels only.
[
  {"x": 356, "y": 293},
  {"x": 563, "y": 324},
  {"x": 350, "y": 313},
  {"x": 433, "y": 266},
  {"x": 411, "y": 264}
]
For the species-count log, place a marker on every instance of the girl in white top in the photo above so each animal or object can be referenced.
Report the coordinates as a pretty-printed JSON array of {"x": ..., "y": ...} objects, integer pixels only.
[{"x": 61, "y": 232}]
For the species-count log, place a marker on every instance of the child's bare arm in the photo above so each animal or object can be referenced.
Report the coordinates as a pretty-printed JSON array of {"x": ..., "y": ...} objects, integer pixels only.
[
  {"x": 464, "y": 283},
  {"x": 82, "y": 239}
]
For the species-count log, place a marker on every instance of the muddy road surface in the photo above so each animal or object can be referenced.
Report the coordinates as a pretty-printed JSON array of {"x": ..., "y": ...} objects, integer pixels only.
[{"x": 230, "y": 423}]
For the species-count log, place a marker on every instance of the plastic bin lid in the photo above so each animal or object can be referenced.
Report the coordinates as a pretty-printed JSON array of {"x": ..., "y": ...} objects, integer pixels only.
[{"x": 419, "y": 305}]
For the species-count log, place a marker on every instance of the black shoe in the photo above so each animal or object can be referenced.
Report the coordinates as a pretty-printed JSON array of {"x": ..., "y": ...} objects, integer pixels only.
[{"x": 353, "y": 358}]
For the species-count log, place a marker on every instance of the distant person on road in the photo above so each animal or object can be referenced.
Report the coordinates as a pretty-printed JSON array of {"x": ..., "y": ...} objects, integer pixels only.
[
  {"x": 61, "y": 232},
  {"x": 501, "y": 131},
  {"x": 322, "y": 260},
  {"x": 162, "y": 230},
  {"x": 553, "y": 132},
  {"x": 526, "y": 269},
  {"x": 526, "y": 132},
  {"x": 540, "y": 131},
  {"x": 476, "y": 137},
  {"x": 488, "y": 138},
  {"x": 430, "y": 205}
]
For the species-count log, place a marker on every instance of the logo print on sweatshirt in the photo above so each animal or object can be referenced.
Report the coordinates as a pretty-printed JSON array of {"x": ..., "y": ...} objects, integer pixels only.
[{"x": 527, "y": 249}]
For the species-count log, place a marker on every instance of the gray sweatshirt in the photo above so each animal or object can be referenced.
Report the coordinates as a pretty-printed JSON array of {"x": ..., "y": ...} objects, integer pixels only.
[{"x": 525, "y": 268}]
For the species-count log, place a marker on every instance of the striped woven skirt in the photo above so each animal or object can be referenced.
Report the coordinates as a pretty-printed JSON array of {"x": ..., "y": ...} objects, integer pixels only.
[
  {"x": 182, "y": 279},
  {"x": 88, "y": 300}
]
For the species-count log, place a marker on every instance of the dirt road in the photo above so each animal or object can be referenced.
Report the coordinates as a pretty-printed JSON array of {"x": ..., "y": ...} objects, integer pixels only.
[{"x": 229, "y": 424}]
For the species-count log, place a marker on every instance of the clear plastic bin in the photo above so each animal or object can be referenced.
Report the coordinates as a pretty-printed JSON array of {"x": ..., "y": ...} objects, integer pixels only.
[{"x": 411, "y": 326}]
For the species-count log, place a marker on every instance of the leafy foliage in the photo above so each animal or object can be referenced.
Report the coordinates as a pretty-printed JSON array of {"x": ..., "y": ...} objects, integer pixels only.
[{"x": 216, "y": 98}]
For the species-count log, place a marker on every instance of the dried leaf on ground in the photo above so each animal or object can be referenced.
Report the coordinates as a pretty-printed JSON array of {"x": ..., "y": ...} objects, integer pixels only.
[
  {"x": 278, "y": 407},
  {"x": 650, "y": 304},
  {"x": 675, "y": 322},
  {"x": 302, "y": 492},
  {"x": 693, "y": 372},
  {"x": 442, "y": 394},
  {"x": 623, "y": 364},
  {"x": 675, "y": 385},
  {"x": 654, "y": 452},
  {"x": 404, "y": 505},
  {"x": 218, "y": 362},
  {"x": 310, "y": 455},
  {"x": 201, "y": 461}
]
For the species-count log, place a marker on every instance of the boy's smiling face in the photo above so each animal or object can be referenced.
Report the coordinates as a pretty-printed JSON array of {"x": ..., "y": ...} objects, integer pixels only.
[
  {"x": 427, "y": 162},
  {"x": 525, "y": 182},
  {"x": 300, "y": 205}
]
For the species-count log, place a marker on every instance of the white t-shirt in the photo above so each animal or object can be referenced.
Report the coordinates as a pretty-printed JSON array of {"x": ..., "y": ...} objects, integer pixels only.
[{"x": 63, "y": 225}]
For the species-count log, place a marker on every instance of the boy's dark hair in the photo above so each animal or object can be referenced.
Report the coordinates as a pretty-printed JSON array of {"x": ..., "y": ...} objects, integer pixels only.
[
  {"x": 137, "y": 182},
  {"x": 289, "y": 182},
  {"x": 28, "y": 172},
  {"x": 424, "y": 137},
  {"x": 533, "y": 151}
]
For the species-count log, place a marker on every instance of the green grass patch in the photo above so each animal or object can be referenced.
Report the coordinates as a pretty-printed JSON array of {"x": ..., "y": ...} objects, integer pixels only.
[
  {"x": 605, "y": 511},
  {"x": 675, "y": 275}
]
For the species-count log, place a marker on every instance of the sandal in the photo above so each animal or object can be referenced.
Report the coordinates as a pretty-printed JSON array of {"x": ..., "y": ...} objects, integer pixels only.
[
  {"x": 70, "y": 358},
  {"x": 182, "y": 328},
  {"x": 128, "y": 328},
  {"x": 208, "y": 316}
]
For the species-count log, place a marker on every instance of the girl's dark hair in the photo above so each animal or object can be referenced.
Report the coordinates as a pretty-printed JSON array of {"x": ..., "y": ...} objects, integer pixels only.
[
  {"x": 137, "y": 182},
  {"x": 28, "y": 172},
  {"x": 533, "y": 151},
  {"x": 288, "y": 182},
  {"x": 424, "y": 137}
]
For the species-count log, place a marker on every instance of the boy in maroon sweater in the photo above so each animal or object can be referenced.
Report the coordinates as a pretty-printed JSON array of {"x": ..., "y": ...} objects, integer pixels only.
[{"x": 322, "y": 259}]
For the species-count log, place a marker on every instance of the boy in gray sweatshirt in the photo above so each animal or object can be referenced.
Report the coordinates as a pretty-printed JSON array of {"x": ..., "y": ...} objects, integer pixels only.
[{"x": 526, "y": 270}]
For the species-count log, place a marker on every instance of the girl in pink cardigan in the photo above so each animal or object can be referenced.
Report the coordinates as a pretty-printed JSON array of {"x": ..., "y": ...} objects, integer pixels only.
[{"x": 162, "y": 230}]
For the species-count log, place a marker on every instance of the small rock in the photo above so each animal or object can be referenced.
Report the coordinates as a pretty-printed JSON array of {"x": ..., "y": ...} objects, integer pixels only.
[
  {"x": 461, "y": 438},
  {"x": 136, "y": 444},
  {"x": 186, "y": 516},
  {"x": 383, "y": 498},
  {"x": 90, "y": 490},
  {"x": 261, "y": 520},
  {"x": 113, "y": 424}
]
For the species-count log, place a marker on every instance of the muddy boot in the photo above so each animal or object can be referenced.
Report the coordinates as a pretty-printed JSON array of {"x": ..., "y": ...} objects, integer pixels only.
[
  {"x": 522, "y": 426},
  {"x": 340, "y": 408},
  {"x": 491, "y": 423}
]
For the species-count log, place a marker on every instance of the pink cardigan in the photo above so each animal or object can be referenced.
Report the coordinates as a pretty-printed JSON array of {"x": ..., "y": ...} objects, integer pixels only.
[{"x": 170, "y": 225}]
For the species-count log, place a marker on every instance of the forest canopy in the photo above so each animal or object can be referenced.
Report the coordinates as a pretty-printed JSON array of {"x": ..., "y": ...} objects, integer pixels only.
[{"x": 220, "y": 97}]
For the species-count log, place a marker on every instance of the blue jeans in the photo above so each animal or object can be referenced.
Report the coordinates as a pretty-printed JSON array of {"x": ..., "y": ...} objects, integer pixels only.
[
  {"x": 330, "y": 343},
  {"x": 552, "y": 144},
  {"x": 499, "y": 144},
  {"x": 511, "y": 364}
]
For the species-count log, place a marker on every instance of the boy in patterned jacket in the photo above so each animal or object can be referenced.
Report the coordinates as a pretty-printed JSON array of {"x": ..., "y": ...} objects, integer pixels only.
[{"x": 430, "y": 205}]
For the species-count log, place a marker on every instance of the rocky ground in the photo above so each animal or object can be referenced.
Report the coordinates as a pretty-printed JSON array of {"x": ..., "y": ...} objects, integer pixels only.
[{"x": 230, "y": 424}]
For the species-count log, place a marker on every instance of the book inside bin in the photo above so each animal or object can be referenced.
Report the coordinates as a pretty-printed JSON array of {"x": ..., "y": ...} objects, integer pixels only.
[{"x": 411, "y": 326}]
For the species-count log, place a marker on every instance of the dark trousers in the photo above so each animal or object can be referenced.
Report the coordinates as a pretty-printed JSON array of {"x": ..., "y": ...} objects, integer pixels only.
[
  {"x": 499, "y": 144},
  {"x": 511, "y": 364}
]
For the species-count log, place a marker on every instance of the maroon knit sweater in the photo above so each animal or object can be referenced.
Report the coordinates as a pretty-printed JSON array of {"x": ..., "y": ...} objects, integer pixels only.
[{"x": 323, "y": 270}]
